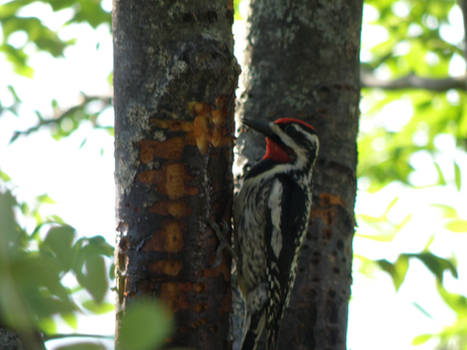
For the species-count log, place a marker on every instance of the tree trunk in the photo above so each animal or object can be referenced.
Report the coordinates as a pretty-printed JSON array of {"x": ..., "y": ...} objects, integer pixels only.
[
  {"x": 302, "y": 61},
  {"x": 174, "y": 79}
]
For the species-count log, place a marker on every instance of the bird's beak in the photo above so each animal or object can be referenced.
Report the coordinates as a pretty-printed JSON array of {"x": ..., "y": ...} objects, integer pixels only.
[{"x": 262, "y": 126}]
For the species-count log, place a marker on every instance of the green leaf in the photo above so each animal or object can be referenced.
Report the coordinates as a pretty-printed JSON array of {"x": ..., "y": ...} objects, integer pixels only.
[
  {"x": 421, "y": 339},
  {"x": 397, "y": 271},
  {"x": 95, "y": 279},
  {"x": 45, "y": 305},
  {"x": 457, "y": 302},
  {"x": 59, "y": 241},
  {"x": 370, "y": 219},
  {"x": 45, "y": 199},
  {"x": 90, "y": 12},
  {"x": 390, "y": 206},
  {"x": 71, "y": 320},
  {"x": 435, "y": 264},
  {"x": 112, "y": 272},
  {"x": 24, "y": 207},
  {"x": 448, "y": 211},
  {"x": 87, "y": 250},
  {"x": 441, "y": 178},
  {"x": 110, "y": 78},
  {"x": 18, "y": 59},
  {"x": 237, "y": 15},
  {"x": 7, "y": 218},
  {"x": 96, "y": 245},
  {"x": 98, "y": 308},
  {"x": 4, "y": 176},
  {"x": 457, "y": 225},
  {"x": 57, "y": 219},
  {"x": 58, "y": 5},
  {"x": 47, "y": 325},
  {"x": 378, "y": 237},
  {"x": 457, "y": 176},
  {"x": 145, "y": 325}
]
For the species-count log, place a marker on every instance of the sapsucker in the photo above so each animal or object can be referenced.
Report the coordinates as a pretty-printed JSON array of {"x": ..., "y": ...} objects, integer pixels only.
[{"x": 271, "y": 214}]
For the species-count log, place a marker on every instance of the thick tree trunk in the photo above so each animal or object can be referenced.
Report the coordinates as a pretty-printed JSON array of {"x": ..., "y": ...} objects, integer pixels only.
[
  {"x": 174, "y": 78},
  {"x": 302, "y": 61}
]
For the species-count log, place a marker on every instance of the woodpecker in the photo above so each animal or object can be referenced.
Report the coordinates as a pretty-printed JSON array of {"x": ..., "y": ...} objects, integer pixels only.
[{"x": 271, "y": 214}]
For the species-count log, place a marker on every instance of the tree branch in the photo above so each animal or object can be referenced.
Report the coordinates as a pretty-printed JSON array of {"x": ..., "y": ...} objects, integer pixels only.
[
  {"x": 412, "y": 81},
  {"x": 75, "y": 335},
  {"x": 105, "y": 101}
]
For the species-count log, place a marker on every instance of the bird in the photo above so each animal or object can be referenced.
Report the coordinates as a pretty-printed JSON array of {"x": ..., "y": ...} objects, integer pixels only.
[{"x": 271, "y": 216}]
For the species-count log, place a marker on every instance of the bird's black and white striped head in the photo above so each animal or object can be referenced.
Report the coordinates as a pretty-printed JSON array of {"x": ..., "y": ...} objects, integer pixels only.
[{"x": 288, "y": 140}]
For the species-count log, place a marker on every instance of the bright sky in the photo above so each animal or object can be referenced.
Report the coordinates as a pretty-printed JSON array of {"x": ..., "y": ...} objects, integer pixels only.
[{"x": 81, "y": 182}]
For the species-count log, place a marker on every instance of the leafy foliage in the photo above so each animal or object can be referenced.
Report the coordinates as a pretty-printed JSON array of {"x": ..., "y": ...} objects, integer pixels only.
[
  {"x": 415, "y": 45},
  {"x": 34, "y": 264},
  {"x": 38, "y": 33},
  {"x": 397, "y": 126},
  {"x": 145, "y": 325},
  {"x": 24, "y": 34},
  {"x": 435, "y": 264},
  {"x": 455, "y": 333}
]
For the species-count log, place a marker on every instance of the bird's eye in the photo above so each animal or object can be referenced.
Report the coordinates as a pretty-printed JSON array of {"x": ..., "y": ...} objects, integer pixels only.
[{"x": 288, "y": 127}]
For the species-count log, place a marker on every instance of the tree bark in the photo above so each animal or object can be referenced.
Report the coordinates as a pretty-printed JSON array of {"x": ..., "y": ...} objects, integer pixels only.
[
  {"x": 9, "y": 340},
  {"x": 174, "y": 77},
  {"x": 302, "y": 61}
]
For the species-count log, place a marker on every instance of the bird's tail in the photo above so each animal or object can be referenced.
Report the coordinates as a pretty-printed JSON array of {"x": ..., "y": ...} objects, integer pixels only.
[{"x": 254, "y": 328}]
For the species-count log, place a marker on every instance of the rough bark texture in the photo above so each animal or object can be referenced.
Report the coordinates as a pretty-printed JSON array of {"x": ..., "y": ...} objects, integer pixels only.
[
  {"x": 302, "y": 61},
  {"x": 9, "y": 340},
  {"x": 13, "y": 340},
  {"x": 174, "y": 79}
]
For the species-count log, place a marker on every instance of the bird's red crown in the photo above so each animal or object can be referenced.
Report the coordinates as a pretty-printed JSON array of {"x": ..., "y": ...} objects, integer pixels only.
[{"x": 276, "y": 152}]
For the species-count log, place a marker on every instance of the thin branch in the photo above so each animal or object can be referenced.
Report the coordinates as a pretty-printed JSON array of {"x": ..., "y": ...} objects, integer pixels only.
[
  {"x": 75, "y": 335},
  {"x": 61, "y": 115},
  {"x": 412, "y": 81}
]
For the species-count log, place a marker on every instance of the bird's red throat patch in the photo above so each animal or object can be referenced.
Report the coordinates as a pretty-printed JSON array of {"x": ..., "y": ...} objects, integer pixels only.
[{"x": 276, "y": 152}]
